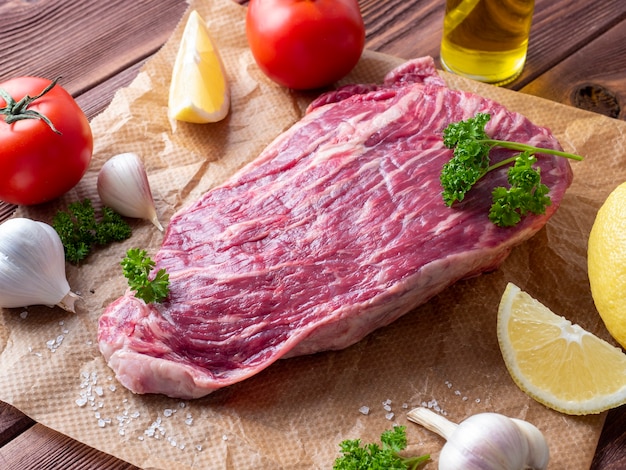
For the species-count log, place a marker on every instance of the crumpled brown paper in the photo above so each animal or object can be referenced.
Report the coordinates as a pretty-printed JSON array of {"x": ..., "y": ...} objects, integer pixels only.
[{"x": 443, "y": 355}]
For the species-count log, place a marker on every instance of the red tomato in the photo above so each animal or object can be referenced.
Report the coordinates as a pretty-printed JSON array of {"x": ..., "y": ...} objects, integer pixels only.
[
  {"x": 305, "y": 44},
  {"x": 36, "y": 163}
]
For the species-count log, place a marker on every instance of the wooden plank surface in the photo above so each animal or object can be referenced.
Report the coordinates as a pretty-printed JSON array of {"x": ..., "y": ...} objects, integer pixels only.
[{"x": 577, "y": 56}]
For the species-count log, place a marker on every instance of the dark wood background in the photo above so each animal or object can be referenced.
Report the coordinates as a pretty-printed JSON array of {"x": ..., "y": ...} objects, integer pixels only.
[{"x": 577, "y": 56}]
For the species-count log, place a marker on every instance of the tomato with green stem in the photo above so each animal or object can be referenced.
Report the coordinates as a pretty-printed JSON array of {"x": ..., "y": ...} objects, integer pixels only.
[
  {"x": 46, "y": 141},
  {"x": 305, "y": 44}
]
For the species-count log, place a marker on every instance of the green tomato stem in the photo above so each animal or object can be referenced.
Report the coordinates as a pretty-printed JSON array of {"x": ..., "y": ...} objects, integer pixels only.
[{"x": 17, "y": 110}]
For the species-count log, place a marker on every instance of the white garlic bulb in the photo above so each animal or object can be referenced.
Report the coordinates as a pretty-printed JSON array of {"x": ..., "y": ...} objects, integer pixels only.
[
  {"x": 486, "y": 441},
  {"x": 32, "y": 266},
  {"x": 123, "y": 186}
]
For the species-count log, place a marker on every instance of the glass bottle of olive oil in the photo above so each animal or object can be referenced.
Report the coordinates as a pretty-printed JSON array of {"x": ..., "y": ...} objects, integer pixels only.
[{"x": 486, "y": 40}]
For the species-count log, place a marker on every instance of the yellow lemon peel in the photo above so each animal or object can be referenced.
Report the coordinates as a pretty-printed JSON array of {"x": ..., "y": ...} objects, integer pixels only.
[{"x": 606, "y": 262}]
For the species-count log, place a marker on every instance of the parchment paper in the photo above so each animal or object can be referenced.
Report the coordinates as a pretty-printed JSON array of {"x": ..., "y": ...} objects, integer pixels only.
[{"x": 443, "y": 355}]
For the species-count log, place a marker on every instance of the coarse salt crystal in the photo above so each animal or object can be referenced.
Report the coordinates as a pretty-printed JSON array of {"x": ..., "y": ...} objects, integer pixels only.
[
  {"x": 365, "y": 410},
  {"x": 389, "y": 416}
]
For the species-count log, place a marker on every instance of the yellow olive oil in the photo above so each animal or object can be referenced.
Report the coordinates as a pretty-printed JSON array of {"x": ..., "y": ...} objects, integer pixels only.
[{"x": 486, "y": 40}]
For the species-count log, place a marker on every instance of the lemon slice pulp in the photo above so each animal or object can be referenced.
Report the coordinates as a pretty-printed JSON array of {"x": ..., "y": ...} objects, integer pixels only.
[
  {"x": 199, "y": 91},
  {"x": 556, "y": 362}
]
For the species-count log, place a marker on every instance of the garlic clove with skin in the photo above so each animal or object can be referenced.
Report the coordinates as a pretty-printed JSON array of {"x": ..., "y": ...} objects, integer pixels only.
[
  {"x": 123, "y": 186},
  {"x": 486, "y": 441},
  {"x": 32, "y": 266}
]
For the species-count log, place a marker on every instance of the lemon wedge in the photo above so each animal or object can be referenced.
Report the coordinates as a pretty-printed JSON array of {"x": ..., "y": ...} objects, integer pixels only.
[
  {"x": 556, "y": 362},
  {"x": 606, "y": 261},
  {"x": 199, "y": 91}
]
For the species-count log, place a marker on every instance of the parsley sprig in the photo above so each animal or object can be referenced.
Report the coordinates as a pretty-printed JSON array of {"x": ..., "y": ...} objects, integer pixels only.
[
  {"x": 137, "y": 266},
  {"x": 376, "y": 457},
  {"x": 80, "y": 230},
  {"x": 470, "y": 162}
]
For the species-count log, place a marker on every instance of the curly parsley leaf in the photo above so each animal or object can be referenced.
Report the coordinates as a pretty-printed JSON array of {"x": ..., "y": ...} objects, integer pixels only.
[
  {"x": 526, "y": 194},
  {"x": 378, "y": 457},
  {"x": 470, "y": 162},
  {"x": 80, "y": 230},
  {"x": 137, "y": 267}
]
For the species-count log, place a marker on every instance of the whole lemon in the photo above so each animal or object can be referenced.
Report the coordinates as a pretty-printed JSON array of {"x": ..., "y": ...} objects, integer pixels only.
[{"x": 606, "y": 262}]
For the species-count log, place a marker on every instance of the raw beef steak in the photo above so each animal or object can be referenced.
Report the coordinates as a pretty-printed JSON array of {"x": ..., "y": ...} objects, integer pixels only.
[{"x": 338, "y": 228}]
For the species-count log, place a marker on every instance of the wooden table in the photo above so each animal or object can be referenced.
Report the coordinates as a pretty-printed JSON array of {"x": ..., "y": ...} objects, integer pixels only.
[{"x": 577, "y": 56}]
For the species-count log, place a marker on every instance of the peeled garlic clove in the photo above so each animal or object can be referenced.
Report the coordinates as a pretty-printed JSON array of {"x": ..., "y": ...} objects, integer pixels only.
[
  {"x": 123, "y": 186},
  {"x": 32, "y": 266}
]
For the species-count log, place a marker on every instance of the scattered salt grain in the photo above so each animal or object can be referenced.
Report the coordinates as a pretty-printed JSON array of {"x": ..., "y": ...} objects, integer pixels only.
[
  {"x": 23, "y": 315},
  {"x": 168, "y": 412},
  {"x": 389, "y": 416},
  {"x": 224, "y": 437},
  {"x": 364, "y": 410}
]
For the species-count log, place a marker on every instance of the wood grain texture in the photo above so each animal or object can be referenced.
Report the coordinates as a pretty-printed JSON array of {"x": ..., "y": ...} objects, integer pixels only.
[
  {"x": 12, "y": 423},
  {"x": 611, "y": 452},
  {"x": 577, "y": 56},
  {"x": 599, "y": 66},
  {"x": 41, "y": 448},
  {"x": 104, "y": 39}
]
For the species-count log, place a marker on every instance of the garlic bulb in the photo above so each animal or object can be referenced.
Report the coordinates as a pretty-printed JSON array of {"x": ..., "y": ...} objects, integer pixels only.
[
  {"x": 486, "y": 441},
  {"x": 123, "y": 186},
  {"x": 32, "y": 266}
]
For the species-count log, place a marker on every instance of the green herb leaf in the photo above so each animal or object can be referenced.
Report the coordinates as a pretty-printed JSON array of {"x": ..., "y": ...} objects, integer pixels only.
[
  {"x": 137, "y": 266},
  {"x": 470, "y": 162},
  {"x": 80, "y": 230},
  {"x": 375, "y": 457},
  {"x": 526, "y": 194}
]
